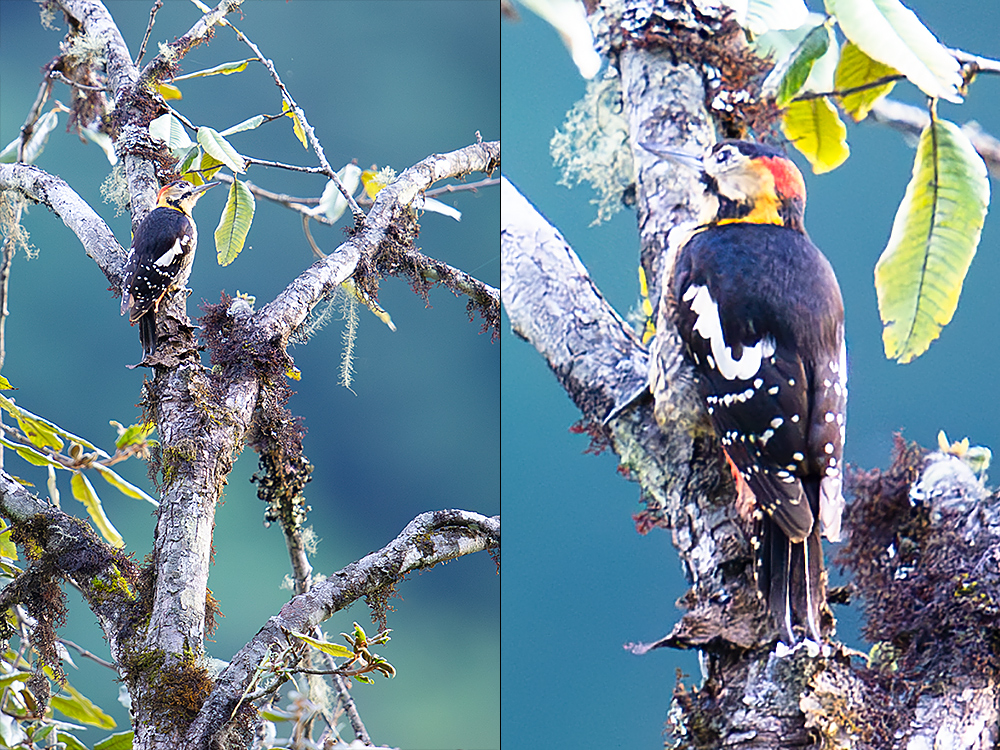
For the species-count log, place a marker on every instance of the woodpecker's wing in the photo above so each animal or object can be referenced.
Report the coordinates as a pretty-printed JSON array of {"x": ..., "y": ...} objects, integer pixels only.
[{"x": 165, "y": 238}]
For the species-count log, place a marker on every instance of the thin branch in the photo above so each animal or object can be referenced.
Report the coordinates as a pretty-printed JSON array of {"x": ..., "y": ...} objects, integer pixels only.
[
  {"x": 57, "y": 76},
  {"x": 472, "y": 187},
  {"x": 282, "y": 165},
  {"x": 976, "y": 63},
  {"x": 149, "y": 29},
  {"x": 429, "y": 539},
  {"x": 806, "y": 96},
  {"x": 88, "y": 655},
  {"x": 290, "y": 308}
]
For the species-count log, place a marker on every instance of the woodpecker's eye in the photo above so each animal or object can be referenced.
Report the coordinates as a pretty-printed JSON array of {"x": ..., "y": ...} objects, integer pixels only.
[{"x": 725, "y": 155}]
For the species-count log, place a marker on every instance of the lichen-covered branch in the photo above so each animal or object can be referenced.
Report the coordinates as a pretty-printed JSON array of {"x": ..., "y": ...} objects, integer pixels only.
[
  {"x": 289, "y": 309},
  {"x": 98, "y": 240},
  {"x": 428, "y": 539}
]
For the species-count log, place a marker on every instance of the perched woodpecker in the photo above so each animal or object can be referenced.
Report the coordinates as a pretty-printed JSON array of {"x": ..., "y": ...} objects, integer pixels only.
[
  {"x": 161, "y": 256},
  {"x": 759, "y": 310}
]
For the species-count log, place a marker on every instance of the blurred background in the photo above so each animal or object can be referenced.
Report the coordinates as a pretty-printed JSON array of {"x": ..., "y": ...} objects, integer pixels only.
[
  {"x": 580, "y": 582},
  {"x": 385, "y": 83}
]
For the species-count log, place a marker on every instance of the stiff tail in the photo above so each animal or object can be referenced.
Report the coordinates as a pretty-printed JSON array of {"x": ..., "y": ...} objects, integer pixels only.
[
  {"x": 790, "y": 577},
  {"x": 147, "y": 332}
]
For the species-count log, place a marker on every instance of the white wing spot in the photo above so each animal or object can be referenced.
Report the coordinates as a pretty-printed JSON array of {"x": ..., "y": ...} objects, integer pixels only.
[
  {"x": 798, "y": 456},
  {"x": 828, "y": 417},
  {"x": 709, "y": 326},
  {"x": 795, "y": 418},
  {"x": 773, "y": 390},
  {"x": 168, "y": 257},
  {"x": 828, "y": 447},
  {"x": 777, "y": 422}
]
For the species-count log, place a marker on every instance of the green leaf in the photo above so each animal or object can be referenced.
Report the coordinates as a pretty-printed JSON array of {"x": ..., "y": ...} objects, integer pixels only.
[
  {"x": 30, "y": 455},
  {"x": 814, "y": 128},
  {"x": 71, "y": 742},
  {"x": 219, "y": 147},
  {"x": 84, "y": 491},
  {"x": 249, "y": 124},
  {"x": 5, "y": 384},
  {"x": 334, "y": 649},
  {"x": 7, "y": 547},
  {"x": 169, "y": 129},
  {"x": 168, "y": 91},
  {"x": 120, "y": 741},
  {"x": 857, "y": 69},
  {"x": 43, "y": 424},
  {"x": 11, "y": 733},
  {"x": 80, "y": 708},
  {"x": 795, "y": 69},
  {"x": 225, "y": 69},
  {"x": 234, "y": 225},
  {"x": 934, "y": 238},
  {"x": 333, "y": 203},
  {"x": 888, "y": 31},
  {"x": 134, "y": 433},
  {"x": 126, "y": 488},
  {"x": 208, "y": 167}
]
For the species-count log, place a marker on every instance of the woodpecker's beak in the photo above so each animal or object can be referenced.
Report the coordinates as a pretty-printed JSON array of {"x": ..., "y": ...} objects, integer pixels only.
[
  {"x": 202, "y": 188},
  {"x": 683, "y": 158}
]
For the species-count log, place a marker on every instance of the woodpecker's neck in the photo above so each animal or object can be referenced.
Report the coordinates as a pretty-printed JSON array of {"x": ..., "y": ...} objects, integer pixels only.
[{"x": 764, "y": 207}]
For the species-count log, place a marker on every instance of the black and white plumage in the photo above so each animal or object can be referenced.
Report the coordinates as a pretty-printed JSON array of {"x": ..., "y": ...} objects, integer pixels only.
[
  {"x": 760, "y": 311},
  {"x": 161, "y": 257}
]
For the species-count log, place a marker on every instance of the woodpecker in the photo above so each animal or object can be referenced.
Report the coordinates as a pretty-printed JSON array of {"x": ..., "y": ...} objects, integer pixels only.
[
  {"x": 161, "y": 256},
  {"x": 760, "y": 312}
]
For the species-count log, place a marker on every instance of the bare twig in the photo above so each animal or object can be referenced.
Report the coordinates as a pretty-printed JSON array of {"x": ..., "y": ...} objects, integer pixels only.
[
  {"x": 149, "y": 28},
  {"x": 471, "y": 187},
  {"x": 57, "y": 76},
  {"x": 282, "y": 165},
  {"x": 88, "y": 655},
  {"x": 840, "y": 93}
]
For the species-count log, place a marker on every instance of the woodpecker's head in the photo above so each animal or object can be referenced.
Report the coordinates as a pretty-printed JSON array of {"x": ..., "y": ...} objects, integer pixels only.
[
  {"x": 181, "y": 195},
  {"x": 746, "y": 182}
]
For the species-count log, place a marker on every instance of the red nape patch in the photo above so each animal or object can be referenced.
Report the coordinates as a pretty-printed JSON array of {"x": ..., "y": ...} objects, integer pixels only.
[{"x": 787, "y": 177}]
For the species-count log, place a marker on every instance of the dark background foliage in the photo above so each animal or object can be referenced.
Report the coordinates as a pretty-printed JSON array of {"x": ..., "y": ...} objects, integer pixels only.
[
  {"x": 382, "y": 82},
  {"x": 580, "y": 581}
]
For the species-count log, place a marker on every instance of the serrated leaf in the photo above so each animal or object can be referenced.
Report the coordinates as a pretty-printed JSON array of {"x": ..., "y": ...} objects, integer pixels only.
[
  {"x": 80, "y": 708},
  {"x": 234, "y": 225},
  {"x": 795, "y": 69},
  {"x": 858, "y": 69},
  {"x": 169, "y": 129},
  {"x": 934, "y": 238},
  {"x": 125, "y": 487},
  {"x": 84, "y": 491},
  {"x": 168, "y": 91},
  {"x": 71, "y": 742},
  {"x": 888, "y": 31},
  {"x": 334, "y": 649},
  {"x": 248, "y": 124},
  {"x": 221, "y": 149},
  {"x": 225, "y": 69},
  {"x": 120, "y": 741},
  {"x": 815, "y": 129},
  {"x": 300, "y": 132}
]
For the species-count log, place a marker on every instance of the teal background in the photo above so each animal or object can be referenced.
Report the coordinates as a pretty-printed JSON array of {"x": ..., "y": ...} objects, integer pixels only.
[
  {"x": 382, "y": 82},
  {"x": 580, "y": 581}
]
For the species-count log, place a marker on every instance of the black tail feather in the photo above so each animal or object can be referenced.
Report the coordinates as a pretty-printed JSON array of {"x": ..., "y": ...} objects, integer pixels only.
[
  {"x": 790, "y": 576},
  {"x": 147, "y": 332}
]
